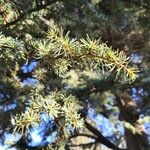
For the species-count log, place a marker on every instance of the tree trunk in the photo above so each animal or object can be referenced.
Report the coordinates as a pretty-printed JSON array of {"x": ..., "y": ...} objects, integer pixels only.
[{"x": 134, "y": 141}]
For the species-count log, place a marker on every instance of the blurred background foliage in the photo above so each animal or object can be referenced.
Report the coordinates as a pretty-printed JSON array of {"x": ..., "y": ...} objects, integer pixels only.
[{"x": 74, "y": 74}]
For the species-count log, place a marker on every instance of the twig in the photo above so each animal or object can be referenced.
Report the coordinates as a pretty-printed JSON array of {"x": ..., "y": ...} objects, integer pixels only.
[
  {"x": 84, "y": 134},
  {"x": 83, "y": 145},
  {"x": 101, "y": 138}
]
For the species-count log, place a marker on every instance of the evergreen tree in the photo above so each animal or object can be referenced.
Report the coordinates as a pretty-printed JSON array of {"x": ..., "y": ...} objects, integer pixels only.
[{"x": 59, "y": 59}]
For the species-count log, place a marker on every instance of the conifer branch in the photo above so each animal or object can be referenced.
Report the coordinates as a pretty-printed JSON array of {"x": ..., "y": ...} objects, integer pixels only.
[
  {"x": 23, "y": 15},
  {"x": 89, "y": 51}
]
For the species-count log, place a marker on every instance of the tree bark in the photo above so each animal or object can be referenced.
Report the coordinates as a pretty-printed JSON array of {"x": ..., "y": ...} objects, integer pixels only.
[{"x": 133, "y": 141}]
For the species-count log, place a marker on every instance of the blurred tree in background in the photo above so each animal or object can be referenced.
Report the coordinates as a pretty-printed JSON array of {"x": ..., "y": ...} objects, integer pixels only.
[{"x": 74, "y": 74}]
